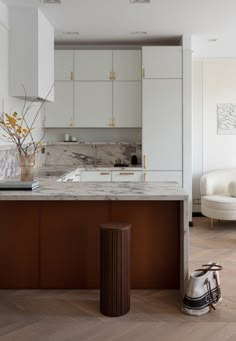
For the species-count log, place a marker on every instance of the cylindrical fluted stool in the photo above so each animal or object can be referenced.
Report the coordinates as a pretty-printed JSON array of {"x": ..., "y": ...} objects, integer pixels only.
[{"x": 115, "y": 268}]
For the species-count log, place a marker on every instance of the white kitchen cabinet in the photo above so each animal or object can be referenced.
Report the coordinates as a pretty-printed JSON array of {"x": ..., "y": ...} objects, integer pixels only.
[
  {"x": 162, "y": 124},
  {"x": 60, "y": 113},
  {"x": 169, "y": 176},
  {"x": 95, "y": 176},
  {"x": 162, "y": 61},
  {"x": 127, "y": 104},
  {"x": 127, "y": 175},
  {"x": 93, "y": 104},
  {"x": 127, "y": 65},
  {"x": 64, "y": 65},
  {"x": 93, "y": 65}
]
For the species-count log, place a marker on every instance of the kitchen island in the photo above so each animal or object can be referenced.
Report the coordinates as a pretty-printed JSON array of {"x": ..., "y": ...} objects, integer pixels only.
[{"x": 49, "y": 238}]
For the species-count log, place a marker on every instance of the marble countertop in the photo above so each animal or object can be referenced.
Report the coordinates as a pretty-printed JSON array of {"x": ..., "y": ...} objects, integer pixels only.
[{"x": 51, "y": 189}]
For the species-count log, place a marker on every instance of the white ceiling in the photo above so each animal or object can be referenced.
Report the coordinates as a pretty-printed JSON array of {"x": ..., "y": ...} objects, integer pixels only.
[{"x": 114, "y": 20}]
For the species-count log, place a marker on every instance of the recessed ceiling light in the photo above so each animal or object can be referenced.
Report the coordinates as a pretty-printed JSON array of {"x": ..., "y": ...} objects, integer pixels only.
[
  {"x": 212, "y": 40},
  {"x": 51, "y": 1},
  {"x": 71, "y": 33},
  {"x": 139, "y": 1},
  {"x": 138, "y": 33}
]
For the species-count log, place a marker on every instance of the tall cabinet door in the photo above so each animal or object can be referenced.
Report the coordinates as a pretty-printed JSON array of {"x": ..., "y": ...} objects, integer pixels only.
[
  {"x": 93, "y": 104},
  {"x": 93, "y": 65},
  {"x": 64, "y": 65},
  {"x": 127, "y": 111},
  {"x": 162, "y": 61},
  {"x": 162, "y": 124},
  {"x": 60, "y": 113},
  {"x": 127, "y": 65}
]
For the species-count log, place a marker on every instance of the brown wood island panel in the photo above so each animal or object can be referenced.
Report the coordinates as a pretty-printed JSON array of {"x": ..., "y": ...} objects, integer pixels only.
[
  {"x": 19, "y": 248},
  {"x": 69, "y": 247},
  {"x": 55, "y": 244},
  {"x": 155, "y": 242}
]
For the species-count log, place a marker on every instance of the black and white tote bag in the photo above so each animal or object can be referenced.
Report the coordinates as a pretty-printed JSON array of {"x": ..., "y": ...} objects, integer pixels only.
[{"x": 203, "y": 290}]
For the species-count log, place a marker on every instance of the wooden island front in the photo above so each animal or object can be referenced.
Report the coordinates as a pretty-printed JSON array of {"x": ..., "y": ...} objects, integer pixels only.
[{"x": 55, "y": 243}]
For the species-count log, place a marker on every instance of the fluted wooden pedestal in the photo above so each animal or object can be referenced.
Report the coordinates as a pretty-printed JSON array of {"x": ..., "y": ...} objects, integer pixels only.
[{"x": 115, "y": 268}]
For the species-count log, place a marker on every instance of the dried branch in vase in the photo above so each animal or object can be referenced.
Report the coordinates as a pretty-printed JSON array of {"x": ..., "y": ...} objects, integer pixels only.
[{"x": 17, "y": 128}]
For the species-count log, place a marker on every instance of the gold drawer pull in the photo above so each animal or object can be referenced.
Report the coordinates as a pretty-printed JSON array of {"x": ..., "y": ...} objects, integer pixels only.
[
  {"x": 72, "y": 76},
  {"x": 145, "y": 161},
  {"x": 126, "y": 173},
  {"x": 103, "y": 173},
  {"x": 111, "y": 76},
  {"x": 143, "y": 72}
]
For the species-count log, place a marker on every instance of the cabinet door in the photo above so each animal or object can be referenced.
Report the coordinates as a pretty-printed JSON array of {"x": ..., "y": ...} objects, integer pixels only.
[
  {"x": 64, "y": 67},
  {"x": 93, "y": 104},
  {"x": 70, "y": 245},
  {"x": 60, "y": 113},
  {"x": 162, "y": 61},
  {"x": 19, "y": 245},
  {"x": 96, "y": 176},
  {"x": 93, "y": 65},
  {"x": 166, "y": 176},
  {"x": 162, "y": 124},
  {"x": 127, "y": 65},
  {"x": 120, "y": 176},
  {"x": 127, "y": 108}
]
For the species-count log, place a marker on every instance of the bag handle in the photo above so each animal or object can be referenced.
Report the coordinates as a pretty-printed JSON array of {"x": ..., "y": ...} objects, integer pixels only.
[{"x": 211, "y": 267}]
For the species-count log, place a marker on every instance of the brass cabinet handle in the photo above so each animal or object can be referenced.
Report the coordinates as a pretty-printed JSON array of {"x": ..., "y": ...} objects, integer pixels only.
[
  {"x": 71, "y": 122},
  {"x": 111, "y": 122},
  {"x": 72, "y": 76},
  {"x": 111, "y": 76},
  {"x": 103, "y": 173},
  {"x": 144, "y": 177},
  {"x": 143, "y": 72},
  {"x": 126, "y": 173},
  {"x": 145, "y": 161},
  {"x": 114, "y": 76}
]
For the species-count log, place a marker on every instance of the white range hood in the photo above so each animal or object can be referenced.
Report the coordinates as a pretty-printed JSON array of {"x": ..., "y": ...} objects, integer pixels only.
[{"x": 31, "y": 54}]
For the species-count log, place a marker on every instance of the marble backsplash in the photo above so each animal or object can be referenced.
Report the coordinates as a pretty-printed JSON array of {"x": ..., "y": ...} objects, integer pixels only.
[
  {"x": 77, "y": 154},
  {"x": 97, "y": 154}
]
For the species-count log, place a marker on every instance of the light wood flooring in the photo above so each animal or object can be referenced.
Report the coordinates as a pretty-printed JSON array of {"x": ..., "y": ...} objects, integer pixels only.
[{"x": 155, "y": 315}]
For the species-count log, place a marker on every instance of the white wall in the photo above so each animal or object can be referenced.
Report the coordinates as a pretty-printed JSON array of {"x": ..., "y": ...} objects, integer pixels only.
[
  {"x": 214, "y": 82},
  {"x": 9, "y": 104}
]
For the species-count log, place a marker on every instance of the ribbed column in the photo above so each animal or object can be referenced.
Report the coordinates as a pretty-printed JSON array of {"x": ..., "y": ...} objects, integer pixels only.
[{"x": 115, "y": 268}]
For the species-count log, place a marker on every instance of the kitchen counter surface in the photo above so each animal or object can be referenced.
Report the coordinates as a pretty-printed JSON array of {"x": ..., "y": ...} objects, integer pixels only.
[{"x": 51, "y": 189}]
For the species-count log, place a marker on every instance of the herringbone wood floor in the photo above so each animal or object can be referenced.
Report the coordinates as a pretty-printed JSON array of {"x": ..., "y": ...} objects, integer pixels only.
[{"x": 155, "y": 315}]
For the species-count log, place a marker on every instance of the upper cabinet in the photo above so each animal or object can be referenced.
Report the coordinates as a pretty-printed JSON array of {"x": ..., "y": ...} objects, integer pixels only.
[
  {"x": 162, "y": 62},
  {"x": 31, "y": 54},
  {"x": 60, "y": 113},
  {"x": 127, "y": 65},
  {"x": 64, "y": 65},
  {"x": 93, "y": 104},
  {"x": 93, "y": 65},
  {"x": 127, "y": 111}
]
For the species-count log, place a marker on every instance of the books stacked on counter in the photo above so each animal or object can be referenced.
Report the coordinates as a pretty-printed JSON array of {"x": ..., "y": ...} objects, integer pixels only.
[{"x": 17, "y": 185}]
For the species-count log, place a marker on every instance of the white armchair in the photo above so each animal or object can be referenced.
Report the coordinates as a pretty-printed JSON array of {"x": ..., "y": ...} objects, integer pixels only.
[{"x": 218, "y": 195}]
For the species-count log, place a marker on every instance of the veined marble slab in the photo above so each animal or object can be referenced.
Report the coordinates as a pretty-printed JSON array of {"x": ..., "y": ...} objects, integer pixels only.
[{"x": 50, "y": 189}]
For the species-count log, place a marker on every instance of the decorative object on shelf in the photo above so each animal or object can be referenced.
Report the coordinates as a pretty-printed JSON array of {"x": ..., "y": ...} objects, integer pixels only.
[
  {"x": 17, "y": 128},
  {"x": 67, "y": 137},
  {"x": 203, "y": 290}
]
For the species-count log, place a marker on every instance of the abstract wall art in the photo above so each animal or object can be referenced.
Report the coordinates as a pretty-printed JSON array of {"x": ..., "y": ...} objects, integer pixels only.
[{"x": 226, "y": 119}]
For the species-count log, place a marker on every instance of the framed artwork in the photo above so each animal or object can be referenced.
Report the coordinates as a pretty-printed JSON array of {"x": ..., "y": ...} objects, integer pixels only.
[{"x": 226, "y": 119}]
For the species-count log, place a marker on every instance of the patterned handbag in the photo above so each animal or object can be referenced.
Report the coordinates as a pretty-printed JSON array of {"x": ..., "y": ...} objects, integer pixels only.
[{"x": 203, "y": 290}]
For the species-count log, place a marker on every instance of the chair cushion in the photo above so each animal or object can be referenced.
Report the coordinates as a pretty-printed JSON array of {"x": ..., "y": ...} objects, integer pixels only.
[
  {"x": 232, "y": 188},
  {"x": 222, "y": 201}
]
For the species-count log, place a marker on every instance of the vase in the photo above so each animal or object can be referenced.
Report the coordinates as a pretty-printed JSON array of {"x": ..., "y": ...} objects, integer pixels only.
[{"x": 27, "y": 163}]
